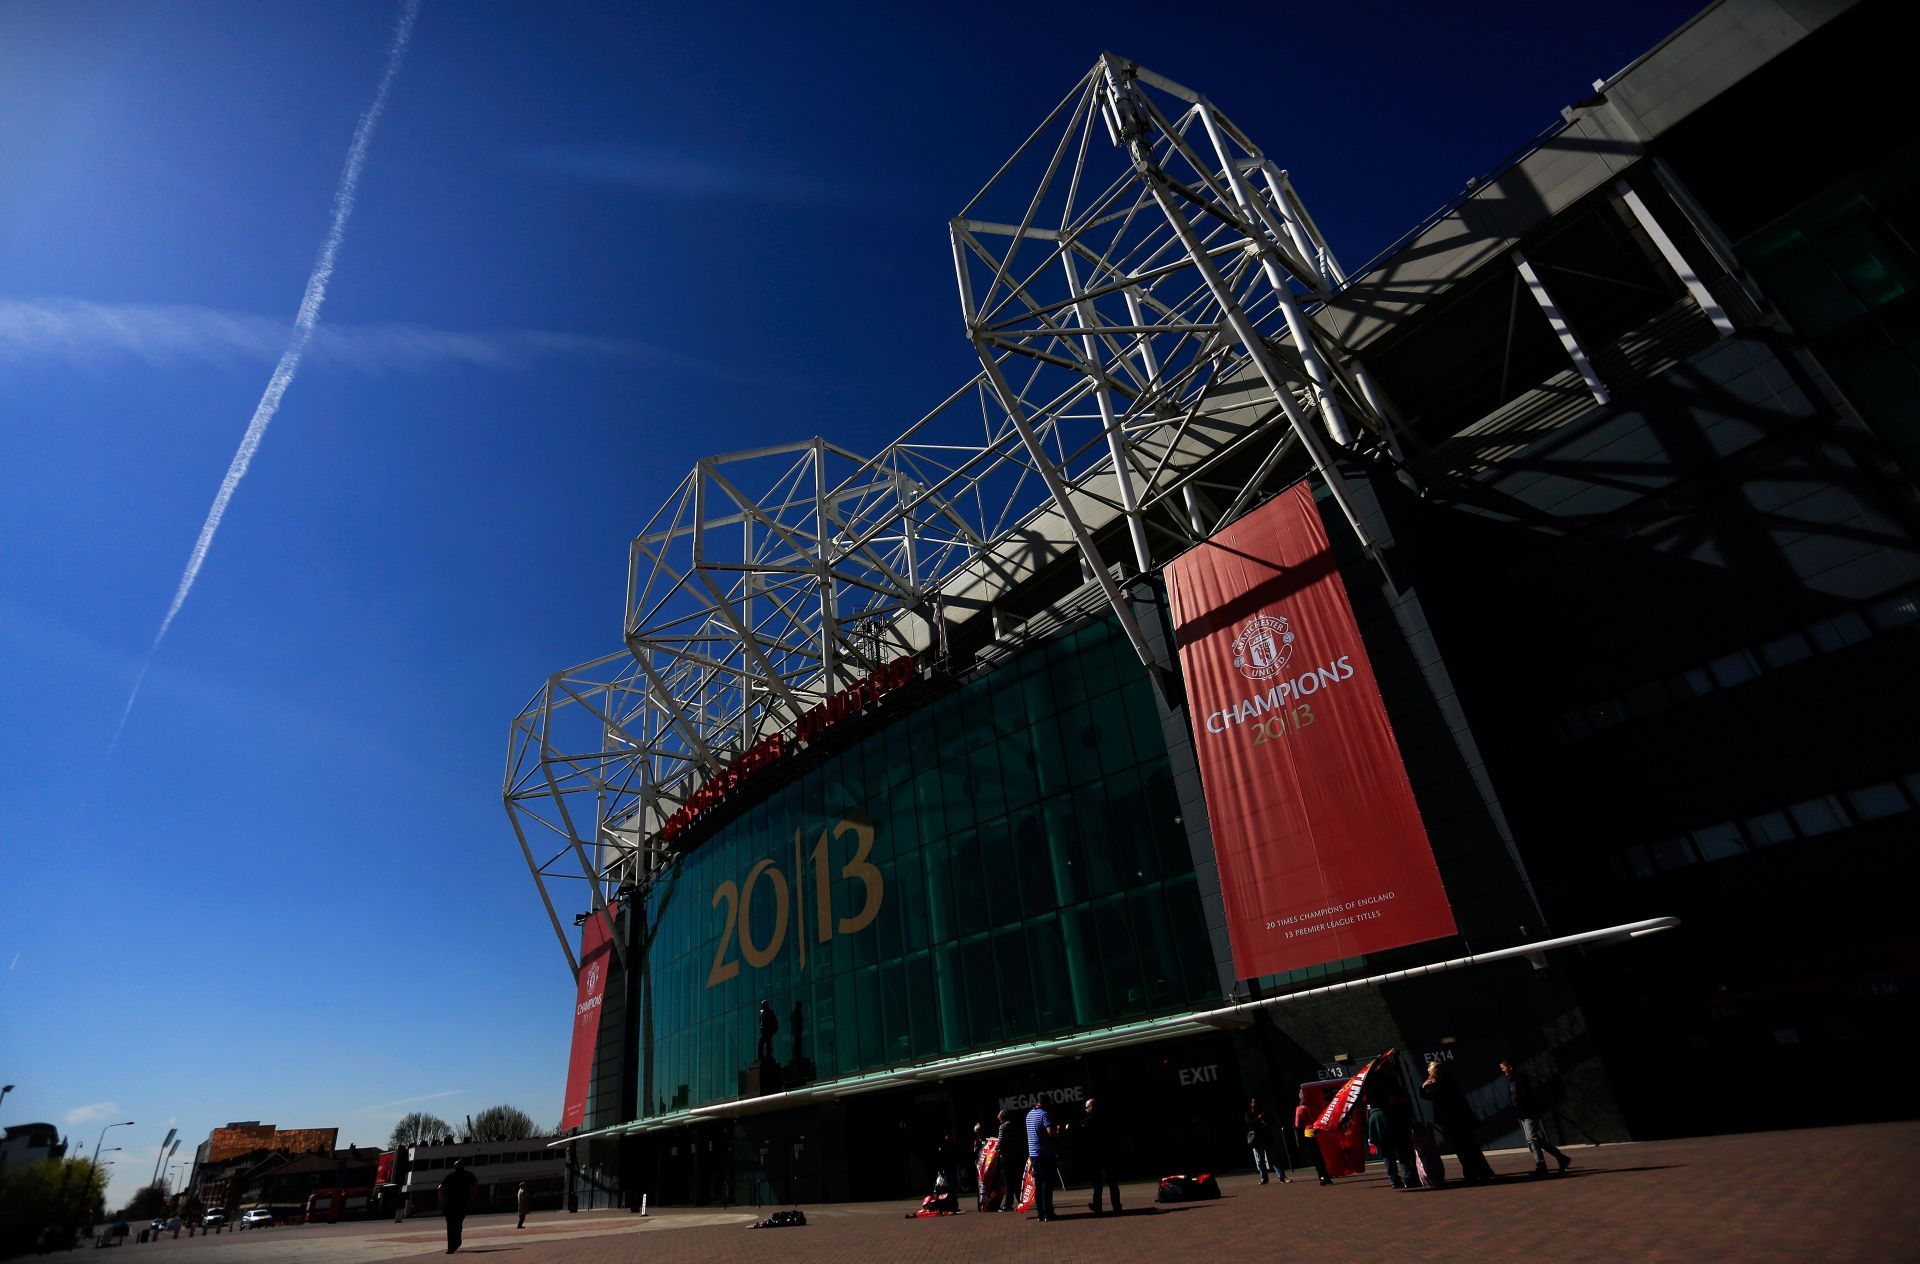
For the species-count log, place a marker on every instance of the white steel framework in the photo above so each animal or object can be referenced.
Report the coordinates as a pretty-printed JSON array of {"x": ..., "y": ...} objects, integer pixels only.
[{"x": 1138, "y": 282}]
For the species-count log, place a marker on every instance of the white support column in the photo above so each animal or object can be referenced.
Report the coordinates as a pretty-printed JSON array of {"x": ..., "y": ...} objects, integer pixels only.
[
  {"x": 1271, "y": 263},
  {"x": 1676, "y": 260},
  {"x": 1195, "y": 519},
  {"x": 1122, "y": 474},
  {"x": 1263, "y": 361},
  {"x": 1561, "y": 329},
  {"x": 1063, "y": 501}
]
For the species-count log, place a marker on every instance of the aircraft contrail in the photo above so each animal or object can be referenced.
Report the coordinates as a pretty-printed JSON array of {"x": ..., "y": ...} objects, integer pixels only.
[{"x": 303, "y": 326}]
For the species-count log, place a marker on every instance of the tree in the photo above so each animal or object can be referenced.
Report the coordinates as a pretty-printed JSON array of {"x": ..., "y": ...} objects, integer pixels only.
[
  {"x": 503, "y": 1123},
  {"x": 418, "y": 1128},
  {"x": 44, "y": 1204},
  {"x": 148, "y": 1203}
]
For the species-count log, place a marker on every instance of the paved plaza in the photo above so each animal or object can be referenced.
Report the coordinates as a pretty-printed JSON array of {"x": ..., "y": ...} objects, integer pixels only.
[{"x": 1831, "y": 1194}]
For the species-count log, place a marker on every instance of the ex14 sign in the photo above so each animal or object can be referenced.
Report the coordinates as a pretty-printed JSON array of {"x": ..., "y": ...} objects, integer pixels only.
[{"x": 768, "y": 876}]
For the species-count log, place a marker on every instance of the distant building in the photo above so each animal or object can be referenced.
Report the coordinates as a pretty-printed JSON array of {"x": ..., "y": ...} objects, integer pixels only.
[
  {"x": 239, "y": 1138},
  {"x": 283, "y": 1185},
  {"x": 30, "y": 1143},
  {"x": 233, "y": 1154},
  {"x": 499, "y": 1166}
]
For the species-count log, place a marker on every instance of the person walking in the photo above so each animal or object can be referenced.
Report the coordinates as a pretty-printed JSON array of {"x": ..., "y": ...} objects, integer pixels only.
[
  {"x": 1096, "y": 1143},
  {"x": 1260, "y": 1141},
  {"x": 1043, "y": 1153},
  {"x": 1303, "y": 1117},
  {"x": 523, "y": 1203},
  {"x": 1527, "y": 1107},
  {"x": 1392, "y": 1132},
  {"x": 1457, "y": 1120},
  {"x": 1011, "y": 1159},
  {"x": 456, "y": 1193}
]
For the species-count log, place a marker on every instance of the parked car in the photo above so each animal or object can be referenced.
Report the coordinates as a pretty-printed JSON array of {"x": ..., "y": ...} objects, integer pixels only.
[
  {"x": 256, "y": 1218},
  {"x": 217, "y": 1216},
  {"x": 111, "y": 1233}
]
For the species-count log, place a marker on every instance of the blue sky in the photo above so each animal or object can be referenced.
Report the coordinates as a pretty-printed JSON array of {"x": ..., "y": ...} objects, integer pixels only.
[{"x": 592, "y": 243}]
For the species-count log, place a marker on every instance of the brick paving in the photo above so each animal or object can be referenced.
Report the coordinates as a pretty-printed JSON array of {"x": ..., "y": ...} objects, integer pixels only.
[{"x": 1835, "y": 1194}]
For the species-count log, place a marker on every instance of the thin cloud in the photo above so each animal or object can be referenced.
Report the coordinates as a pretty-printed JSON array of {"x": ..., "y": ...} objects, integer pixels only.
[
  {"x": 387, "y": 1108},
  {"x": 90, "y": 1112},
  {"x": 161, "y": 333},
  {"x": 303, "y": 327}
]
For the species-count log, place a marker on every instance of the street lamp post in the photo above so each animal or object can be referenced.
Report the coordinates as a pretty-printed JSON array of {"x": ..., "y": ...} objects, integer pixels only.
[
  {"x": 125, "y": 1123},
  {"x": 4, "y": 1090}
]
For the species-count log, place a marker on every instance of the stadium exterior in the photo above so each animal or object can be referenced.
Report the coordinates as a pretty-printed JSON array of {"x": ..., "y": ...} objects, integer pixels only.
[{"x": 1616, "y": 460}]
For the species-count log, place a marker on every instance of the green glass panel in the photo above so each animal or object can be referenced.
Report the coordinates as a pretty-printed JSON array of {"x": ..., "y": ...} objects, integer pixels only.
[
  {"x": 969, "y": 884},
  {"x": 1190, "y": 934},
  {"x": 1065, "y": 859},
  {"x": 950, "y": 985},
  {"x": 896, "y": 1015},
  {"x": 997, "y": 873},
  {"x": 868, "y": 1021},
  {"x": 910, "y": 890},
  {"x": 942, "y": 925},
  {"x": 1019, "y": 772},
  {"x": 983, "y": 1001},
  {"x": 1032, "y": 864},
  {"x": 924, "y": 999},
  {"x": 1083, "y": 968},
  {"x": 1052, "y": 990},
  {"x": 1126, "y": 991},
  {"x": 1016, "y": 985}
]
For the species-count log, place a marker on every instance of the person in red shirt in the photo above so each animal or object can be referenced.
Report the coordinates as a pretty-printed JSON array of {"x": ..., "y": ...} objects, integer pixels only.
[{"x": 1303, "y": 1117}]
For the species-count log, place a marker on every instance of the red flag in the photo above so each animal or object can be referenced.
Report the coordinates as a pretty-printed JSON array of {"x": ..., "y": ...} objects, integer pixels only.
[{"x": 1341, "y": 1129}]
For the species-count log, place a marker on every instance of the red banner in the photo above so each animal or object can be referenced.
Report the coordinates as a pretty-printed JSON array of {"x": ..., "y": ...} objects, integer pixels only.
[
  {"x": 1321, "y": 851},
  {"x": 596, "y": 946},
  {"x": 1341, "y": 1129}
]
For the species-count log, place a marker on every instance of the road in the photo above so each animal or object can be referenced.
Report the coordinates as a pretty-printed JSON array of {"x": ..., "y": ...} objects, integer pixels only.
[{"x": 1834, "y": 1194}]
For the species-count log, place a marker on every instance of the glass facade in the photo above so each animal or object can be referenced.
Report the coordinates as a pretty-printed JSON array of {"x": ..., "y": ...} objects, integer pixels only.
[{"x": 1004, "y": 862}]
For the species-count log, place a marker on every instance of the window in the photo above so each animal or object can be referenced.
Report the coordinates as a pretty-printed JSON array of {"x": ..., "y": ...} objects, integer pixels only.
[
  {"x": 1717, "y": 842},
  {"x": 1818, "y": 816},
  {"x": 1843, "y": 629},
  {"x": 1605, "y": 715},
  {"x": 1870, "y": 803},
  {"x": 1671, "y": 853},
  {"x": 1896, "y": 611},
  {"x": 1648, "y": 699},
  {"x": 1783, "y": 650},
  {"x": 1732, "y": 669},
  {"x": 1768, "y": 827}
]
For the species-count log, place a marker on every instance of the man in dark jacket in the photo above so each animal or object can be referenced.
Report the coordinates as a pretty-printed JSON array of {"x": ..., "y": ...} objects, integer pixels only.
[
  {"x": 1096, "y": 1142},
  {"x": 456, "y": 1193},
  {"x": 1011, "y": 1155},
  {"x": 1457, "y": 1121},
  {"x": 1527, "y": 1108}
]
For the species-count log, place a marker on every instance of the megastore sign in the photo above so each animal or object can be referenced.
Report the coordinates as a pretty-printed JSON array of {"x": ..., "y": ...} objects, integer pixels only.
[{"x": 1321, "y": 850}]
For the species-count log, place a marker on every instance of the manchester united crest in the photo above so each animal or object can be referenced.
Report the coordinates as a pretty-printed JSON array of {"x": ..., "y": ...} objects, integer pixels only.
[{"x": 1263, "y": 647}]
